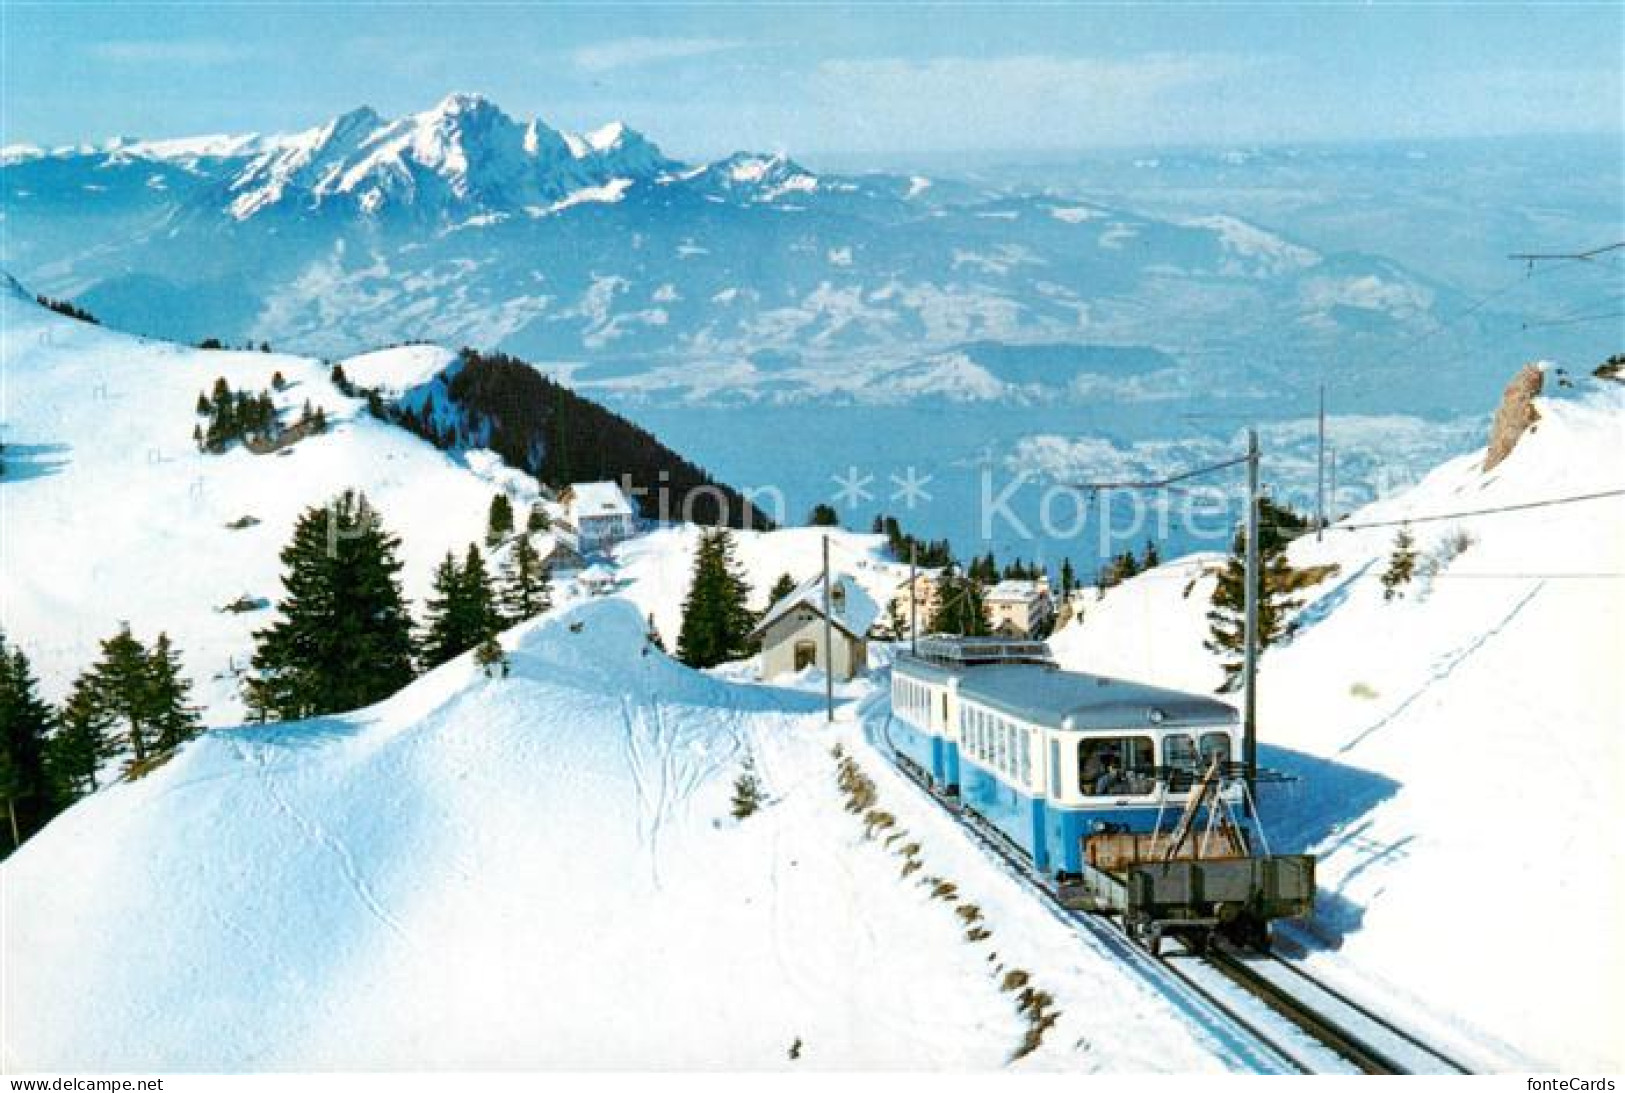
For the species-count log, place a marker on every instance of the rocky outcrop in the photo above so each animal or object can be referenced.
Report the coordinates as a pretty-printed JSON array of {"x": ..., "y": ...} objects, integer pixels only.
[{"x": 1516, "y": 414}]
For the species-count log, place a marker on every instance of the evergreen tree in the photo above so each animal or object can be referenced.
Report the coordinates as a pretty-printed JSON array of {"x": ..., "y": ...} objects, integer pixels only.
[
  {"x": 537, "y": 520},
  {"x": 653, "y": 634},
  {"x": 500, "y": 522},
  {"x": 344, "y": 637},
  {"x": 960, "y": 609},
  {"x": 747, "y": 796},
  {"x": 172, "y": 720},
  {"x": 716, "y": 620},
  {"x": 462, "y": 613},
  {"x": 1069, "y": 577},
  {"x": 491, "y": 659},
  {"x": 83, "y": 742},
  {"x": 1152, "y": 557},
  {"x": 782, "y": 587},
  {"x": 119, "y": 683},
  {"x": 1401, "y": 564},
  {"x": 526, "y": 590},
  {"x": 1227, "y": 619},
  {"x": 824, "y": 516},
  {"x": 25, "y": 722}
]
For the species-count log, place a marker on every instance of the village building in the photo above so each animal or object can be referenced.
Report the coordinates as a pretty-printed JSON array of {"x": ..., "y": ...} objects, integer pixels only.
[
  {"x": 1019, "y": 609},
  {"x": 927, "y": 597},
  {"x": 792, "y": 631},
  {"x": 597, "y": 515}
]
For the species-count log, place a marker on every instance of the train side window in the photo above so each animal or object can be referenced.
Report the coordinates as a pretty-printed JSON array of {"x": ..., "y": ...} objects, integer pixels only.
[
  {"x": 1116, "y": 766},
  {"x": 1055, "y": 769},
  {"x": 1025, "y": 738}
]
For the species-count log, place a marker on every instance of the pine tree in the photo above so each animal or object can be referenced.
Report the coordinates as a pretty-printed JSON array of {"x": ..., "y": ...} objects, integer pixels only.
[
  {"x": 782, "y": 587},
  {"x": 747, "y": 797},
  {"x": 25, "y": 722},
  {"x": 173, "y": 721},
  {"x": 1069, "y": 577},
  {"x": 537, "y": 521},
  {"x": 1152, "y": 557},
  {"x": 499, "y": 524},
  {"x": 491, "y": 659},
  {"x": 83, "y": 742},
  {"x": 462, "y": 612},
  {"x": 960, "y": 609},
  {"x": 653, "y": 634},
  {"x": 824, "y": 516},
  {"x": 344, "y": 637},
  {"x": 119, "y": 684},
  {"x": 716, "y": 618},
  {"x": 1401, "y": 564},
  {"x": 526, "y": 590},
  {"x": 1227, "y": 619}
]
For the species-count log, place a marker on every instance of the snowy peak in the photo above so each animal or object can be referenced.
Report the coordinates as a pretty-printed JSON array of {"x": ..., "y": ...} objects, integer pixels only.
[
  {"x": 465, "y": 154},
  {"x": 757, "y": 177}
]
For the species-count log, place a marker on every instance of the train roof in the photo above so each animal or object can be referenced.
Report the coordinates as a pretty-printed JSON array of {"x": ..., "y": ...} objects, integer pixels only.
[{"x": 1078, "y": 700}]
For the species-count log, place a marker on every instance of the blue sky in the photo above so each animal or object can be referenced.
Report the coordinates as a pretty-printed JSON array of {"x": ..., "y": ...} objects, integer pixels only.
[{"x": 808, "y": 78}]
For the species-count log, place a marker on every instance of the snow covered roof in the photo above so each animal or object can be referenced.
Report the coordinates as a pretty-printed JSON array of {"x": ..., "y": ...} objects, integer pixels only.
[
  {"x": 597, "y": 499},
  {"x": 1078, "y": 700},
  {"x": 1011, "y": 591},
  {"x": 852, "y": 610}
]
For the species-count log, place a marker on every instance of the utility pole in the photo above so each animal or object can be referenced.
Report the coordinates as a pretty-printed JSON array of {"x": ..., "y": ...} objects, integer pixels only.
[
  {"x": 1320, "y": 469},
  {"x": 913, "y": 603},
  {"x": 1331, "y": 457},
  {"x": 1249, "y": 662},
  {"x": 829, "y": 644}
]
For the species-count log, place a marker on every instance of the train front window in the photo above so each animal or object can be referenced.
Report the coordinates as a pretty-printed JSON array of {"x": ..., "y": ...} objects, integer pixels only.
[
  {"x": 1216, "y": 745},
  {"x": 1122, "y": 766}
]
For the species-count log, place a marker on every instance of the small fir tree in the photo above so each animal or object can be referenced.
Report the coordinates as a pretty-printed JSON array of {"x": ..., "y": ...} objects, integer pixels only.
[
  {"x": 1401, "y": 564},
  {"x": 747, "y": 796},
  {"x": 499, "y": 524},
  {"x": 1227, "y": 619},
  {"x": 782, "y": 587}
]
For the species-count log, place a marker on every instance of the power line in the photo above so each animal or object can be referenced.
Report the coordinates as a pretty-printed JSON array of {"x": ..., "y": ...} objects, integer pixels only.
[{"x": 1432, "y": 517}]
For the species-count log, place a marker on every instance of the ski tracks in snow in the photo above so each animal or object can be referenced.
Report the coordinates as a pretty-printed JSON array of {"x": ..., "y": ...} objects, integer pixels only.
[
  {"x": 321, "y": 836},
  {"x": 668, "y": 764}
]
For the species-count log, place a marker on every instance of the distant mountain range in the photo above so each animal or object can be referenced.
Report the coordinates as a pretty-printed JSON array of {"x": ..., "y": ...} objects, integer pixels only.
[{"x": 750, "y": 278}]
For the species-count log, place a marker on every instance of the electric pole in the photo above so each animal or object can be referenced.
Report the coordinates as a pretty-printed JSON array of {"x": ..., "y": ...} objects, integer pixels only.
[
  {"x": 913, "y": 603},
  {"x": 1249, "y": 661},
  {"x": 829, "y": 644},
  {"x": 1320, "y": 468}
]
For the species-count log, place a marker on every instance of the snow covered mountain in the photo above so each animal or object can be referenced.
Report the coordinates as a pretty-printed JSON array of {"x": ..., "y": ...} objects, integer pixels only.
[
  {"x": 543, "y": 868},
  {"x": 1458, "y": 749},
  {"x": 752, "y": 278}
]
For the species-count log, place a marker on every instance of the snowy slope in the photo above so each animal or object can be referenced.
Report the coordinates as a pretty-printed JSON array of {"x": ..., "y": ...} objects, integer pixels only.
[
  {"x": 111, "y": 512},
  {"x": 1459, "y": 750},
  {"x": 527, "y": 872}
]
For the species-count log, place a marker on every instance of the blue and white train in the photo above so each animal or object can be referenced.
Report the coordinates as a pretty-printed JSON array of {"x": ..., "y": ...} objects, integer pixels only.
[{"x": 1083, "y": 775}]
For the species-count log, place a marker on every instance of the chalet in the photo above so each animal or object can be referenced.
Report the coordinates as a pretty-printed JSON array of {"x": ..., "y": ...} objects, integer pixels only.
[
  {"x": 1020, "y": 609},
  {"x": 597, "y": 515},
  {"x": 792, "y": 631},
  {"x": 927, "y": 597}
]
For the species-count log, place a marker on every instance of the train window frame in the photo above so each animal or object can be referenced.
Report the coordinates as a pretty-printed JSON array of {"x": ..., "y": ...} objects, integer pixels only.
[{"x": 1146, "y": 749}]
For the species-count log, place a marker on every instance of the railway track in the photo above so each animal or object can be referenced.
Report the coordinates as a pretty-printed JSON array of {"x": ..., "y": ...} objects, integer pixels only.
[{"x": 1242, "y": 999}]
